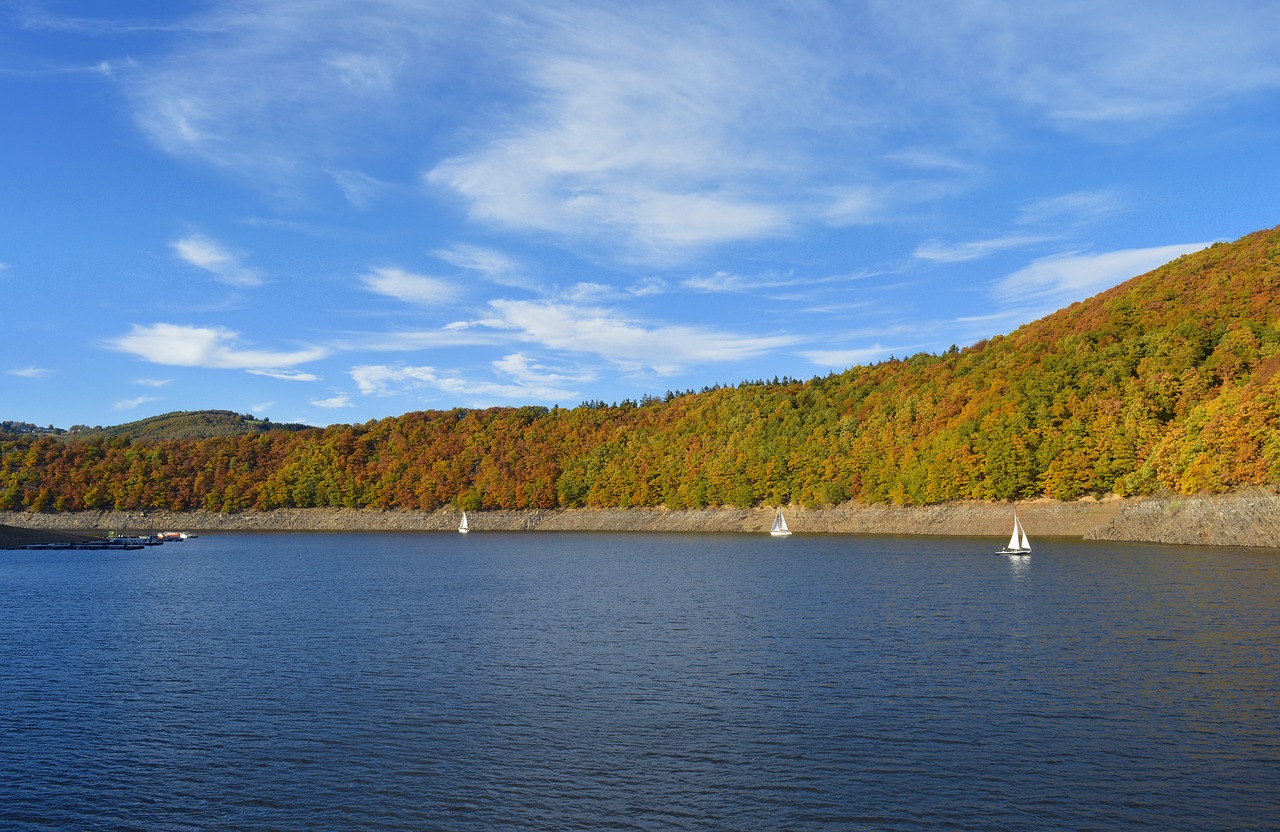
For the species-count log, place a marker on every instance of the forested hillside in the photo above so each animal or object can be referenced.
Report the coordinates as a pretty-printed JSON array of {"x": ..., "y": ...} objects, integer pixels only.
[
  {"x": 1166, "y": 382},
  {"x": 199, "y": 424}
]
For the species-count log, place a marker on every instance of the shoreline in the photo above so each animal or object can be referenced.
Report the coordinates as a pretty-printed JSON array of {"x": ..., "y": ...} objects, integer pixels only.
[{"x": 1244, "y": 518}]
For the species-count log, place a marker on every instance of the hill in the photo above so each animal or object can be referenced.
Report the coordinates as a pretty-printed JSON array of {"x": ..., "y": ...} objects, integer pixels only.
[
  {"x": 1164, "y": 383},
  {"x": 193, "y": 424}
]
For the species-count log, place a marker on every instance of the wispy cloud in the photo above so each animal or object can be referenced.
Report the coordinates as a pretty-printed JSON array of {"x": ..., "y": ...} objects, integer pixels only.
[
  {"x": 939, "y": 252},
  {"x": 530, "y": 381},
  {"x": 153, "y": 382},
  {"x": 842, "y": 359},
  {"x": 208, "y": 254},
  {"x": 457, "y": 334},
  {"x": 130, "y": 404},
  {"x": 409, "y": 287},
  {"x": 653, "y": 132},
  {"x": 285, "y": 375},
  {"x": 34, "y": 18},
  {"x": 1080, "y": 65},
  {"x": 334, "y": 402},
  {"x": 360, "y": 189},
  {"x": 1061, "y": 280},
  {"x": 1074, "y": 209},
  {"x": 638, "y": 133},
  {"x": 729, "y": 283},
  {"x": 271, "y": 91},
  {"x": 30, "y": 372},
  {"x": 215, "y": 347},
  {"x": 627, "y": 343},
  {"x": 493, "y": 265}
]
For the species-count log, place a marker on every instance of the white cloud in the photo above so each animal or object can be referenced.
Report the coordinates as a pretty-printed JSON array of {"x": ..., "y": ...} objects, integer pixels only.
[
  {"x": 153, "y": 382},
  {"x": 409, "y": 287},
  {"x": 205, "y": 253},
  {"x": 530, "y": 381},
  {"x": 540, "y": 381},
  {"x": 382, "y": 379},
  {"x": 4, "y": 267},
  {"x": 130, "y": 404},
  {"x": 29, "y": 372},
  {"x": 1058, "y": 281},
  {"x": 647, "y": 287},
  {"x": 640, "y": 132},
  {"x": 271, "y": 91},
  {"x": 930, "y": 161},
  {"x": 360, "y": 189},
  {"x": 492, "y": 264},
  {"x": 215, "y": 347},
  {"x": 844, "y": 359},
  {"x": 724, "y": 282},
  {"x": 649, "y": 132},
  {"x": 1055, "y": 214},
  {"x": 663, "y": 348},
  {"x": 1074, "y": 209},
  {"x": 337, "y": 401},
  {"x": 1082, "y": 64},
  {"x": 261, "y": 407},
  {"x": 286, "y": 375},
  {"x": 939, "y": 252}
]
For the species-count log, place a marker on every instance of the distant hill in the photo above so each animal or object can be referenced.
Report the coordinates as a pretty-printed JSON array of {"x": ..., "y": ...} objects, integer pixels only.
[
  {"x": 191, "y": 424},
  {"x": 1168, "y": 382}
]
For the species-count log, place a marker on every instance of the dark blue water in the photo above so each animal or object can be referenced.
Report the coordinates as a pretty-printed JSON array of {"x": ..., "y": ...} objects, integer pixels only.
[{"x": 646, "y": 682}]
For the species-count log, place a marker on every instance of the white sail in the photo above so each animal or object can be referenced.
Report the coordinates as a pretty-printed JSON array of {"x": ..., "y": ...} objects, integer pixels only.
[
  {"x": 779, "y": 527},
  {"x": 1025, "y": 543},
  {"x": 1013, "y": 538},
  {"x": 463, "y": 528}
]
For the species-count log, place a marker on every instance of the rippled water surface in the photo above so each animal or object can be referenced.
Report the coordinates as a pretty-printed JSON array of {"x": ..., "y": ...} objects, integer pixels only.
[{"x": 649, "y": 682}]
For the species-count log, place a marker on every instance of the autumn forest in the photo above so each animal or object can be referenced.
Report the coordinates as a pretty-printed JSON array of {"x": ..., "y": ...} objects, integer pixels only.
[{"x": 1167, "y": 382}]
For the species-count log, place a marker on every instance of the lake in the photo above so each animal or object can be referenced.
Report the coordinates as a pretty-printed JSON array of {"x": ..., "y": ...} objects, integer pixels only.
[{"x": 544, "y": 681}]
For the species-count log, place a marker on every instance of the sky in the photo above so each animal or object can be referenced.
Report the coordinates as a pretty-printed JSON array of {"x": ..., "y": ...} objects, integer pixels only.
[{"x": 331, "y": 212}]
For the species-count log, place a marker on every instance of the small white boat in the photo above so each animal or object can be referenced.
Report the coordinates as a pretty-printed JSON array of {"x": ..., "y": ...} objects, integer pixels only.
[
  {"x": 463, "y": 528},
  {"x": 779, "y": 527},
  {"x": 1018, "y": 542}
]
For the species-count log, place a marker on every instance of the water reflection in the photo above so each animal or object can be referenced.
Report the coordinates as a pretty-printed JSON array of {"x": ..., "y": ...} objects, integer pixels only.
[{"x": 1020, "y": 568}]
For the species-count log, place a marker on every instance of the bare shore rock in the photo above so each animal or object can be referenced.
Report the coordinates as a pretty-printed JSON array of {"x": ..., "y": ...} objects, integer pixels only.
[{"x": 1249, "y": 518}]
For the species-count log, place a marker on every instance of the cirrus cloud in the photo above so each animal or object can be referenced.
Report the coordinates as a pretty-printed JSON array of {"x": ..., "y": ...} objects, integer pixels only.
[
  {"x": 408, "y": 287},
  {"x": 664, "y": 348},
  {"x": 29, "y": 372},
  {"x": 529, "y": 380},
  {"x": 208, "y": 254},
  {"x": 1060, "y": 280}
]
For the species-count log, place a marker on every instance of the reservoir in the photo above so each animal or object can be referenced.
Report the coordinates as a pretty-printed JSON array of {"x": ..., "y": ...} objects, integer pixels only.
[{"x": 584, "y": 681}]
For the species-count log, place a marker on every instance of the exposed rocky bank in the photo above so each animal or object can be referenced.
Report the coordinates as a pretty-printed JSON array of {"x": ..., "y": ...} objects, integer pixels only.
[{"x": 1247, "y": 518}]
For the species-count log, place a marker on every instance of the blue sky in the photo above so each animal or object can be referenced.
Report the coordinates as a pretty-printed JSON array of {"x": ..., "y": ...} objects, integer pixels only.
[{"x": 331, "y": 212}]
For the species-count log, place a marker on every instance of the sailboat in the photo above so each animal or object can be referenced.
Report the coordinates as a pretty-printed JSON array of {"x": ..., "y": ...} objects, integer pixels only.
[
  {"x": 1018, "y": 543},
  {"x": 779, "y": 527},
  {"x": 463, "y": 528}
]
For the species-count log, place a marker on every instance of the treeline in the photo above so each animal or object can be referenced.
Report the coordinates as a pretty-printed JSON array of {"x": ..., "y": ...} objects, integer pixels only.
[{"x": 1167, "y": 382}]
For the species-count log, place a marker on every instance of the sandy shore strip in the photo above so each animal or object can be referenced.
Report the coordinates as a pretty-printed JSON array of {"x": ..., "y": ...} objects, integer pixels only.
[{"x": 1246, "y": 518}]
